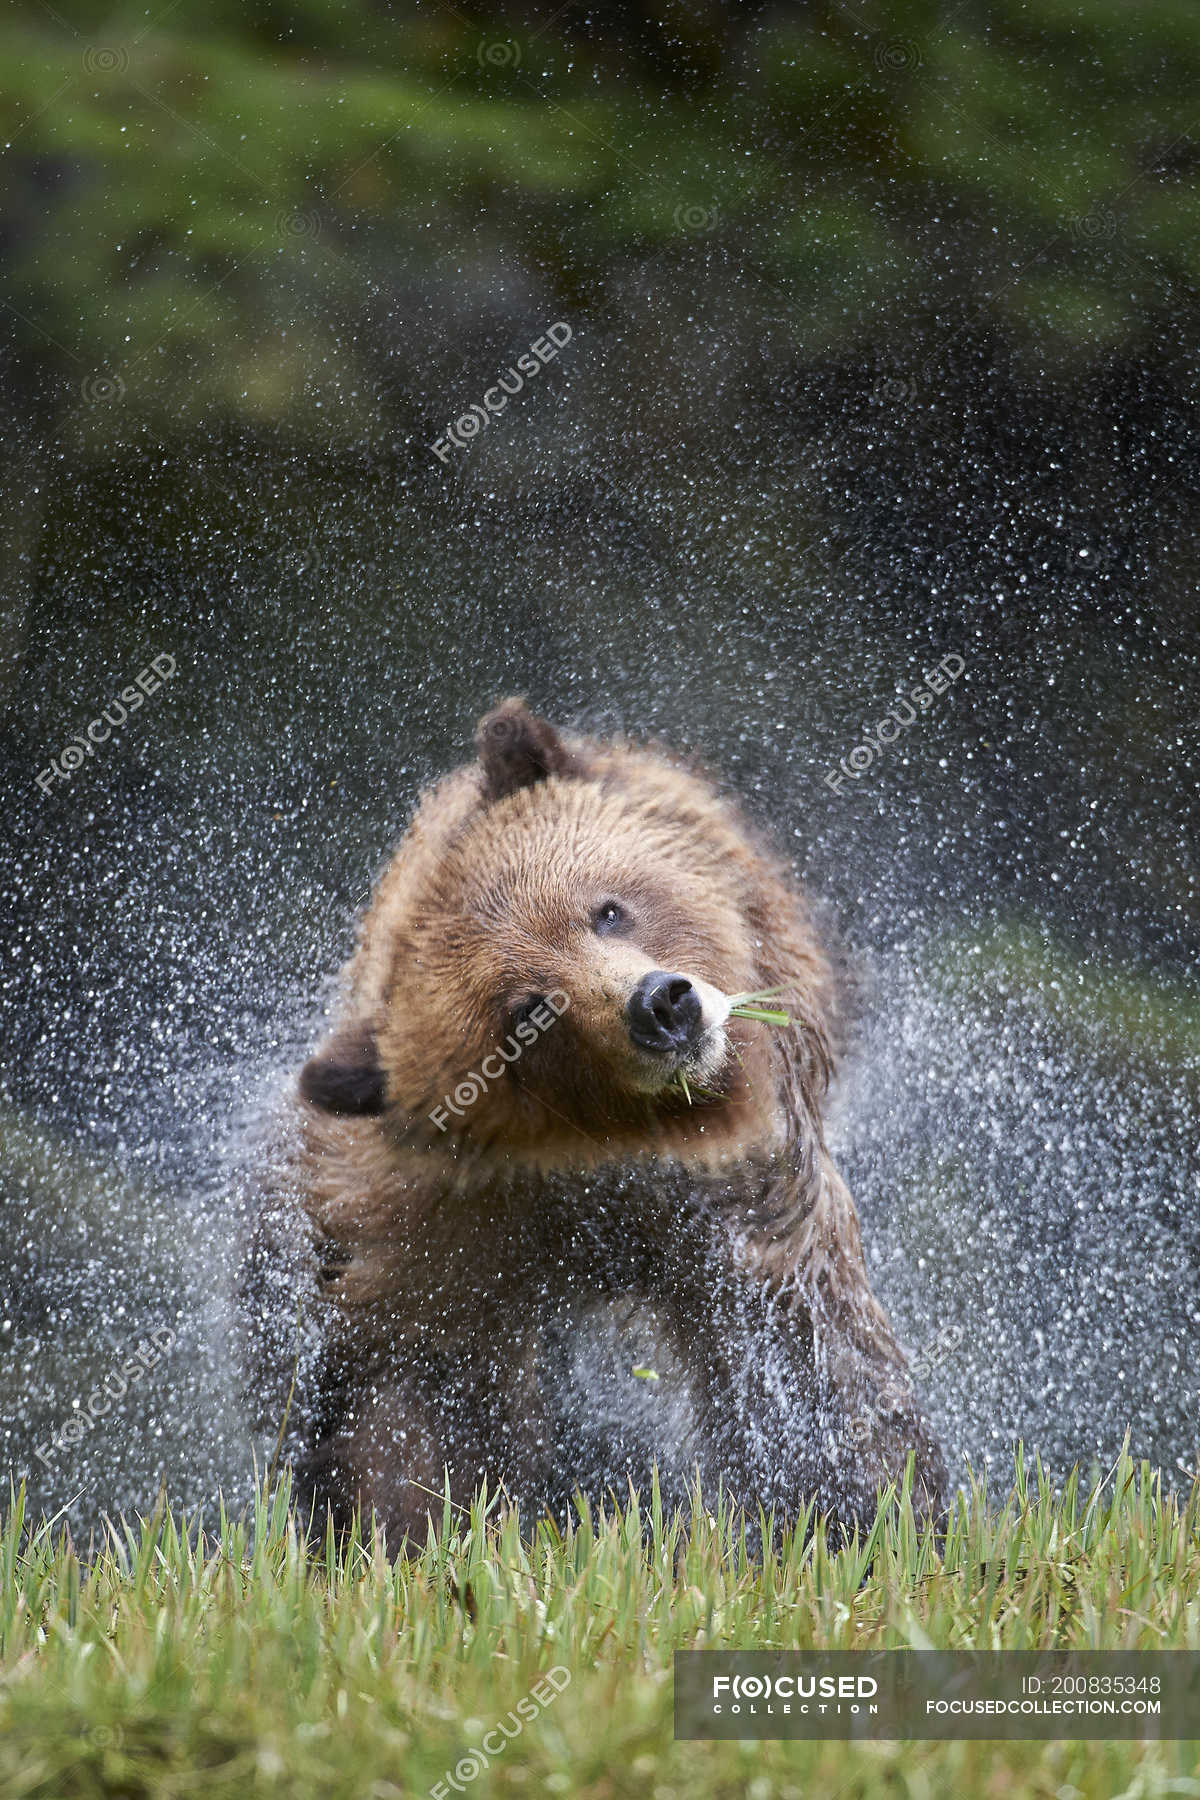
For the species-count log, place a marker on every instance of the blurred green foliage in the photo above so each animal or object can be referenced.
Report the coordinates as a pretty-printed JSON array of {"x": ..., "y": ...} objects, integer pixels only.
[
  {"x": 268, "y": 214},
  {"x": 1114, "y": 1009}
]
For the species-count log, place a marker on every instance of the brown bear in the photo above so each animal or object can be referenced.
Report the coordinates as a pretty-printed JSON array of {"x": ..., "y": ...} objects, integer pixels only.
[{"x": 551, "y": 1217}]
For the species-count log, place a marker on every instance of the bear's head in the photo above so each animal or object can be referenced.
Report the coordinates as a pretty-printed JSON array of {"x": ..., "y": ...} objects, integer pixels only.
[{"x": 545, "y": 971}]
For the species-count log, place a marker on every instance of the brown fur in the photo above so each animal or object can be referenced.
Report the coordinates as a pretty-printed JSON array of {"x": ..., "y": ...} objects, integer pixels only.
[{"x": 473, "y": 1299}]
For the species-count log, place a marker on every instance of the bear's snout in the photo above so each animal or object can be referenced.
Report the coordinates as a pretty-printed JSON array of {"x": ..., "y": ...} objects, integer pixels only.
[{"x": 664, "y": 1013}]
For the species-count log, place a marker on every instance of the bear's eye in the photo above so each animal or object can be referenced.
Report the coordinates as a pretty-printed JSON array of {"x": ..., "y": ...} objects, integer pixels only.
[{"x": 609, "y": 918}]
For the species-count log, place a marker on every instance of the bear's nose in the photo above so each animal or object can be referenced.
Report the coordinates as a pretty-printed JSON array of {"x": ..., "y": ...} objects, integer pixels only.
[{"x": 663, "y": 1012}]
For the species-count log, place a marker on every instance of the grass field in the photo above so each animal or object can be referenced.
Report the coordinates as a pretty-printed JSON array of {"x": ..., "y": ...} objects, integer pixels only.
[{"x": 166, "y": 1661}]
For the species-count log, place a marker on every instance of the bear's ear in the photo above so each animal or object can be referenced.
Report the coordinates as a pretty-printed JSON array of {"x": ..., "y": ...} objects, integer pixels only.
[
  {"x": 516, "y": 748},
  {"x": 344, "y": 1076}
]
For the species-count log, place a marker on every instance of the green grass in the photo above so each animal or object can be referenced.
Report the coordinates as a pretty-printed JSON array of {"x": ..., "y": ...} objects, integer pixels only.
[
  {"x": 166, "y": 1661},
  {"x": 750, "y": 1006}
]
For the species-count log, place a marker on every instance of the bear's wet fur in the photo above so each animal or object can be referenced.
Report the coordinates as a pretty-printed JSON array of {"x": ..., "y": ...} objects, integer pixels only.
[{"x": 545, "y": 1216}]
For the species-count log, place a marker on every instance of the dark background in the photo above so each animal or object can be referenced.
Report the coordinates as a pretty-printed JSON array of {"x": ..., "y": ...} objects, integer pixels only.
[{"x": 884, "y": 328}]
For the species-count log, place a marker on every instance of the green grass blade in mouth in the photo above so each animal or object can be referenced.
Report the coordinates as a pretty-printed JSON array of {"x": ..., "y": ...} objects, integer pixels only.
[{"x": 750, "y": 1006}]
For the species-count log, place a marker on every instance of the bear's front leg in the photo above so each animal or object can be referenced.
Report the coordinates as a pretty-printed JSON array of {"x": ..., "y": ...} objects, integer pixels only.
[
  {"x": 464, "y": 1412},
  {"x": 387, "y": 1459},
  {"x": 826, "y": 1337}
]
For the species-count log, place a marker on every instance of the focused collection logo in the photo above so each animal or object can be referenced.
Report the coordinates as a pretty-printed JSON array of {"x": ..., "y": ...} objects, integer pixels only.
[
  {"x": 898, "y": 718},
  {"x": 871, "y": 1695},
  {"x": 525, "y": 1032},
  {"x": 147, "y": 681}
]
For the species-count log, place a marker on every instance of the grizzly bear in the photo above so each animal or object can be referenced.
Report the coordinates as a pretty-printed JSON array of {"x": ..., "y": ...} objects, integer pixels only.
[{"x": 550, "y": 1216}]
